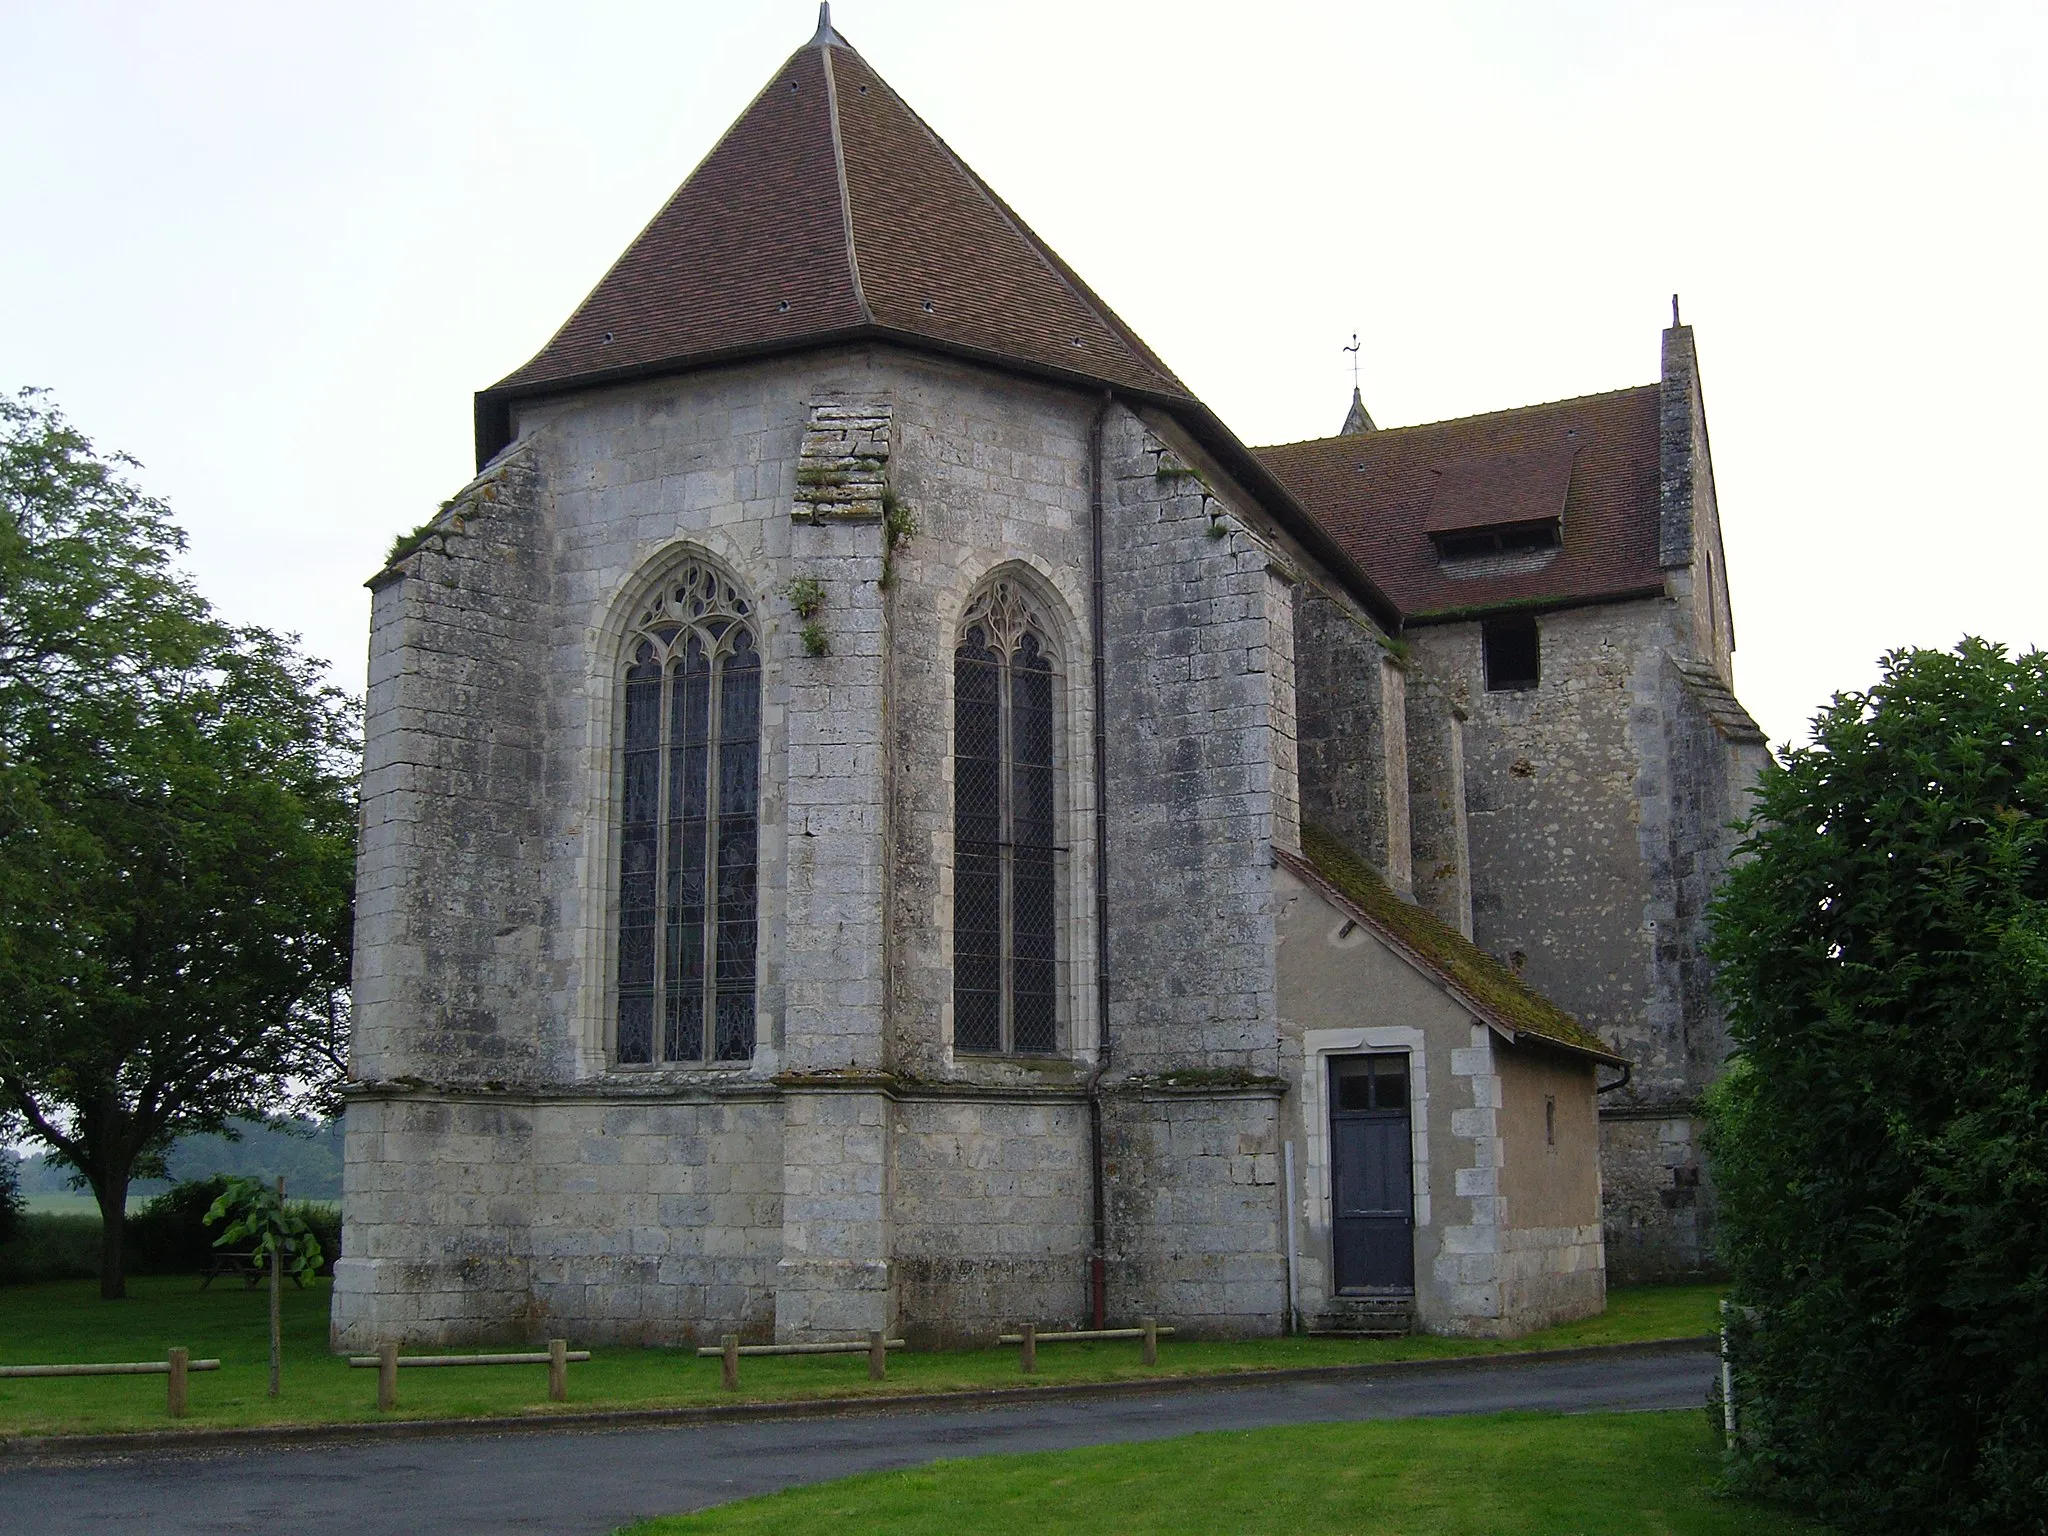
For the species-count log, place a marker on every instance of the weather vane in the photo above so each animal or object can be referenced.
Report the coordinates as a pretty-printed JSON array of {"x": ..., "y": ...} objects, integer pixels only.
[{"x": 1353, "y": 350}]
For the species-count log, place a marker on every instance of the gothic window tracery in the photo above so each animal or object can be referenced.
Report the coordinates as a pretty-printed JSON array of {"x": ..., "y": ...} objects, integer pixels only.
[
  {"x": 1005, "y": 941},
  {"x": 689, "y": 825}
]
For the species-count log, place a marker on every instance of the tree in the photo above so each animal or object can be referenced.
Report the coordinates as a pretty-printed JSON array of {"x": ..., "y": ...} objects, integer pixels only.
[
  {"x": 177, "y": 828},
  {"x": 278, "y": 1236},
  {"x": 1881, "y": 1144},
  {"x": 10, "y": 1193}
]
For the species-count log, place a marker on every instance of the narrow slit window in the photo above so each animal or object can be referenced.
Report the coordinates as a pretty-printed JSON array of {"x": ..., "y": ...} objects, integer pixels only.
[
  {"x": 688, "y": 820},
  {"x": 1005, "y": 785}
]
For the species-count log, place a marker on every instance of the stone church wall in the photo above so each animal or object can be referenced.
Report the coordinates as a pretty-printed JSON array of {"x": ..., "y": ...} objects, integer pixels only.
[
  {"x": 835, "y": 1184},
  {"x": 453, "y": 915},
  {"x": 516, "y": 1217},
  {"x": 1198, "y": 620},
  {"x": 1354, "y": 732},
  {"x": 1596, "y": 807}
]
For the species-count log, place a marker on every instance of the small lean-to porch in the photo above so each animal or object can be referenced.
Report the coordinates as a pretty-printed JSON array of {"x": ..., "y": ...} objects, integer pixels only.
[{"x": 1446, "y": 1176}]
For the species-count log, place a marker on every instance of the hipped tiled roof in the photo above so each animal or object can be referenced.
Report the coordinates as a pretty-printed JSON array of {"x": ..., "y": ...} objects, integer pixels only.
[
  {"x": 1495, "y": 994},
  {"x": 1381, "y": 494},
  {"x": 829, "y": 210}
]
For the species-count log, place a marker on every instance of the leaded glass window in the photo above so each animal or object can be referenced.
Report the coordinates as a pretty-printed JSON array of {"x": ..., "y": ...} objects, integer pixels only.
[
  {"x": 689, "y": 822},
  {"x": 1005, "y": 907}
]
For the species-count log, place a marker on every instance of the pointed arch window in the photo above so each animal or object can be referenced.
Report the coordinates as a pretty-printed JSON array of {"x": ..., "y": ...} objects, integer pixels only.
[
  {"x": 1005, "y": 906},
  {"x": 689, "y": 827}
]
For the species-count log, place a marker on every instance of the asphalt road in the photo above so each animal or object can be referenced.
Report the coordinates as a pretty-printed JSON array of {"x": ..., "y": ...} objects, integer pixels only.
[{"x": 589, "y": 1483}]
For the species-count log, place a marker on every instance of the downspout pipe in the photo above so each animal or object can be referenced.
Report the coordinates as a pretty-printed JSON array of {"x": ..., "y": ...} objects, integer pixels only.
[{"x": 1098, "y": 1252}]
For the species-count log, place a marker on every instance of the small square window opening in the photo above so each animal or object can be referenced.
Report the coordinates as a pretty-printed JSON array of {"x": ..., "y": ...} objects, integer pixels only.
[{"x": 1512, "y": 655}]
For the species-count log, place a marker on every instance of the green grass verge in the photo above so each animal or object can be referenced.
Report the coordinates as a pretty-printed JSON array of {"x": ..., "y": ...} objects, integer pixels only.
[
  {"x": 1612, "y": 1474},
  {"x": 65, "y": 1321}
]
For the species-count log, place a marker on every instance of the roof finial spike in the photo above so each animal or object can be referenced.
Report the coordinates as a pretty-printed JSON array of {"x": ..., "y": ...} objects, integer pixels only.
[
  {"x": 1674, "y": 311},
  {"x": 1359, "y": 419},
  {"x": 824, "y": 36}
]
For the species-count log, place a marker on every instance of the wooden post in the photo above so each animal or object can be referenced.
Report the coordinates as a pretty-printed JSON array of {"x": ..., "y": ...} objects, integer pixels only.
[
  {"x": 180, "y": 1358},
  {"x": 731, "y": 1363},
  {"x": 558, "y": 1370},
  {"x": 387, "y": 1377},
  {"x": 1030, "y": 1352},
  {"x": 276, "y": 1291},
  {"x": 878, "y": 1355},
  {"x": 1151, "y": 1327}
]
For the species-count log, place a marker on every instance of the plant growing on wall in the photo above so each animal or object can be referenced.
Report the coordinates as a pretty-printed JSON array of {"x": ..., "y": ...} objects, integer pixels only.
[
  {"x": 806, "y": 595},
  {"x": 898, "y": 523}
]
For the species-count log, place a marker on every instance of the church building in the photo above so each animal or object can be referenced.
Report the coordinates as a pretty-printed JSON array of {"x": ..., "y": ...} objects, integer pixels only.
[{"x": 880, "y": 811}]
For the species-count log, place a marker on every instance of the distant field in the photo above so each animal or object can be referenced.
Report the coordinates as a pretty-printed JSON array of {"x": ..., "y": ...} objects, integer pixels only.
[
  {"x": 85, "y": 1205},
  {"x": 75, "y": 1204}
]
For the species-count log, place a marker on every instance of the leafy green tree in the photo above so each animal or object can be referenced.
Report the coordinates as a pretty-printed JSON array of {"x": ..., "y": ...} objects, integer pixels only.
[
  {"x": 10, "y": 1193},
  {"x": 279, "y": 1239},
  {"x": 1881, "y": 1144},
  {"x": 177, "y": 831}
]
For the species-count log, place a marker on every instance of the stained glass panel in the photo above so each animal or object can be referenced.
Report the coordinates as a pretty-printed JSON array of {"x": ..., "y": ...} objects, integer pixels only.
[{"x": 690, "y": 804}]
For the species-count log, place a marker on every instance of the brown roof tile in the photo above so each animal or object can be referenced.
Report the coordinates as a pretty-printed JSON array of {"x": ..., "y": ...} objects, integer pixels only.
[
  {"x": 830, "y": 210},
  {"x": 1381, "y": 494}
]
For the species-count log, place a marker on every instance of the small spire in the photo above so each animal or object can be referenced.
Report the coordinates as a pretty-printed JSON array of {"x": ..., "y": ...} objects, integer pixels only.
[
  {"x": 1359, "y": 421},
  {"x": 825, "y": 37},
  {"x": 1674, "y": 311}
]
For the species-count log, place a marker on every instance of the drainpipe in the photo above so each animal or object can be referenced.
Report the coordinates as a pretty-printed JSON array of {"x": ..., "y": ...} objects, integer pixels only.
[{"x": 1098, "y": 1280}]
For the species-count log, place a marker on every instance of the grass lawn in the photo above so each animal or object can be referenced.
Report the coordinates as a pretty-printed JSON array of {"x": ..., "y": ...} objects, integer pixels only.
[
  {"x": 1609, "y": 1474},
  {"x": 65, "y": 1321}
]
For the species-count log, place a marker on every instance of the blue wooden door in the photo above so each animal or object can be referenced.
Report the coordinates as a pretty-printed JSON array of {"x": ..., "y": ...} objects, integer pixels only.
[{"x": 1372, "y": 1174}]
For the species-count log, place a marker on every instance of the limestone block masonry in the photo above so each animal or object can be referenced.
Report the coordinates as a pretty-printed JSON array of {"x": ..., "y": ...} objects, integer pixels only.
[{"x": 507, "y": 1178}]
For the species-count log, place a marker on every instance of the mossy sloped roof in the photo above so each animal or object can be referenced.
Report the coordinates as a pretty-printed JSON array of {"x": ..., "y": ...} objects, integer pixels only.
[{"x": 1496, "y": 994}]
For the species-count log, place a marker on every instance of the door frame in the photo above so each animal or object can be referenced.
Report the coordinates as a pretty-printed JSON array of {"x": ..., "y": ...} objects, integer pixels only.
[{"x": 1318, "y": 1194}]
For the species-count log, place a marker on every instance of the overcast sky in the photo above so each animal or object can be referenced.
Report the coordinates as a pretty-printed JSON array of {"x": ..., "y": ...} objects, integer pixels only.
[{"x": 272, "y": 250}]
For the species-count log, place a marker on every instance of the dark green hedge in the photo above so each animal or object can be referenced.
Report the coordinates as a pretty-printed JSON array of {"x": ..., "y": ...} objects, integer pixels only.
[
  {"x": 168, "y": 1236},
  {"x": 1881, "y": 1144}
]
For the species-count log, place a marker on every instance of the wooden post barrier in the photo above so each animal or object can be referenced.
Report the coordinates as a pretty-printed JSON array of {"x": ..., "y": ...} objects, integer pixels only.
[
  {"x": 730, "y": 1348},
  {"x": 176, "y": 1366},
  {"x": 1148, "y": 1330},
  {"x": 180, "y": 1362},
  {"x": 387, "y": 1360}
]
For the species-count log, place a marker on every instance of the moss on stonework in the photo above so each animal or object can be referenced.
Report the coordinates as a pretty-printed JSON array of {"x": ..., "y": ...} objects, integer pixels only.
[
  {"x": 406, "y": 543},
  {"x": 1453, "y": 956},
  {"x": 1197, "y": 1079}
]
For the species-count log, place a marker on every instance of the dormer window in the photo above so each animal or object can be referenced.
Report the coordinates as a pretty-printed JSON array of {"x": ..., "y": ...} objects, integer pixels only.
[{"x": 1515, "y": 538}]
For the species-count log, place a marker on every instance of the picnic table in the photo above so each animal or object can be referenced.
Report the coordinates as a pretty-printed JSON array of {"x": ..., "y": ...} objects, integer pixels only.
[{"x": 243, "y": 1264}]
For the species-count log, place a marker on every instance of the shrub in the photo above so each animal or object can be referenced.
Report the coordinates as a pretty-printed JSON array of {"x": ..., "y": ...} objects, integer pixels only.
[
  {"x": 48, "y": 1247},
  {"x": 10, "y": 1194},
  {"x": 169, "y": 1236},
  {"x": 325, "y": 1222},
  {"x": 1881, "y": 1145}
]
